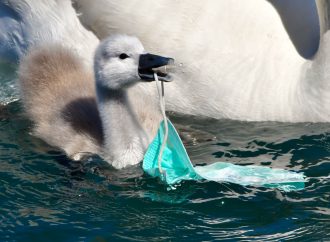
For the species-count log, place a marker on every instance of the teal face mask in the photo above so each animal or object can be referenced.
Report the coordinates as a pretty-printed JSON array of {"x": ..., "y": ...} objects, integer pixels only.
[
  {"x": 167, "y": 159},
  {"x": 176, "y": 167}
]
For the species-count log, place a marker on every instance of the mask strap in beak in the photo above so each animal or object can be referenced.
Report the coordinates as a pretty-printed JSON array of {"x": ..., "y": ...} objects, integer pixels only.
[{"x": 161, "y": 94}]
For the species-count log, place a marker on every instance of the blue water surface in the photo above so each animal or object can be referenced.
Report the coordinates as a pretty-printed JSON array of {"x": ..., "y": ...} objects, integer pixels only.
[{"x": 46, "y": 197}]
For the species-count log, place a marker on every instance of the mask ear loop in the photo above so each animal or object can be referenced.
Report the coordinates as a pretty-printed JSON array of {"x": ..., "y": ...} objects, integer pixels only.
[{"x": 161, "y": 94}]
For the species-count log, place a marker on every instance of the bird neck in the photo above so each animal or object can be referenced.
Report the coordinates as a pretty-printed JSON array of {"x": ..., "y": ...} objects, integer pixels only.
[{"x": 124, "y": 136}]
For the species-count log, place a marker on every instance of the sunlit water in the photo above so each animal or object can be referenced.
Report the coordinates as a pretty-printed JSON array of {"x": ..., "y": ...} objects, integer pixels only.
[{"x": 46, "y": 197}]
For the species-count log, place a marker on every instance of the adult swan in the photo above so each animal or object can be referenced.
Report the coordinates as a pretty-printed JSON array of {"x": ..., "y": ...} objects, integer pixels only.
[{"x": 247, "y": 60}]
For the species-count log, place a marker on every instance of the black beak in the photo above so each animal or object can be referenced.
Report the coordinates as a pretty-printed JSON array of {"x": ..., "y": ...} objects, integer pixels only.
[{"x": 149, "y": 64}]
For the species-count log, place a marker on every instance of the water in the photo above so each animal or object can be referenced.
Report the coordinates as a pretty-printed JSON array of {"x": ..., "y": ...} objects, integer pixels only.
[{"x": 46, "y": 197}]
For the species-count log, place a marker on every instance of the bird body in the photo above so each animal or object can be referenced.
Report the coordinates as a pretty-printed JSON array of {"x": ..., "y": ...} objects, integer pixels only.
[
  {"x": 82, "y": 113},
  {"x": 26, "y": 24},
  {"x": 247, "y": 60},
  {"x": 58, "y": 94}
]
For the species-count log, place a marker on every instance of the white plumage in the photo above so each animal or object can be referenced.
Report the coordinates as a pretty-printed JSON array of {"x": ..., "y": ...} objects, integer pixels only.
[
  {"x": 238, "y": 59},
  {"x": 29, "y": 23}
]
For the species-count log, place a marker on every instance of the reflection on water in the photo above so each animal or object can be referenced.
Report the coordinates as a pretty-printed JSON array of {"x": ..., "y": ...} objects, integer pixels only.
[{"x": 46, "y": 197}]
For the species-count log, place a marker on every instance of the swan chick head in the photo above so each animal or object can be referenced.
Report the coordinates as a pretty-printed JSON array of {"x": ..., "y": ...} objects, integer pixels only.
[
  {"x": 121, "y": 61},
  {"x": 116, "y": 62}
]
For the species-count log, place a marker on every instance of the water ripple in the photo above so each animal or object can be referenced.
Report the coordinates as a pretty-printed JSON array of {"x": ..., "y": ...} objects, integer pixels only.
[{"x": 44, "y": 196}]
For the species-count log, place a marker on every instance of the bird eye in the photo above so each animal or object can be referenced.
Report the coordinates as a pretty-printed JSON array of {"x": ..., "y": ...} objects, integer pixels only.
[{"x": 123, "y": 56}]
